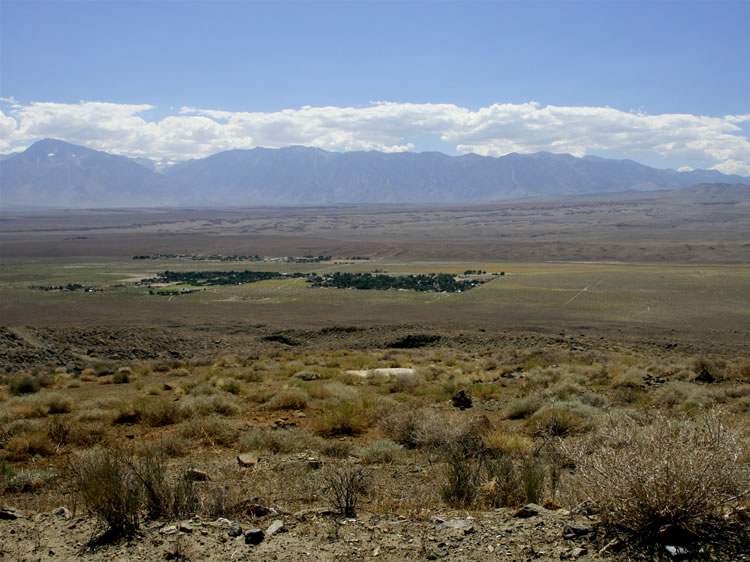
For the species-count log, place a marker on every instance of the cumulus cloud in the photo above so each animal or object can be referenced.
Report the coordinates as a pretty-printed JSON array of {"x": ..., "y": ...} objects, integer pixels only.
[{"x": 718, "y": 142}]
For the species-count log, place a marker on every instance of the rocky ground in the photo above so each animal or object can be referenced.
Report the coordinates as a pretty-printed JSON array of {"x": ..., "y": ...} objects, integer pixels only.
[{"x": 531, "y": 533}]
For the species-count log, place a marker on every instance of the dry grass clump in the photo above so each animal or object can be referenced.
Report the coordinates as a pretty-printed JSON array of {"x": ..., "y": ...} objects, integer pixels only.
[
  {"x": 289, "y": 399},
  {"x": 277, "y": 440},
  {"x": 669, "y": 478},
  {"x": 523, "y": 407},
  {"x": 109, "y": 490},
  {"x": 382, "y": 451},
  {"x": 209, "y": 431},
  {"x": 160, "y": 413},
  {"x": 341, "y": 417},
  {"x": 508, "y": 442},
  {"x": 208, "y": 404},
  {"x": 562, "y": 418}
]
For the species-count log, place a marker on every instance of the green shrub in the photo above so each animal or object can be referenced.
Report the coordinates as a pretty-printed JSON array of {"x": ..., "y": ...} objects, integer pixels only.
[{"x": 24, "y": 385}]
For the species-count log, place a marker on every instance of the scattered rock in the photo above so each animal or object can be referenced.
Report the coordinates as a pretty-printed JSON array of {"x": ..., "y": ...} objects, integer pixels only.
[
  {"x": 185, "y": 528},
  {"x": 10, "y": 514},
  {"x": 248, "y": 459},
  {"x": 169, "y": 530},
  {"x": 678, "y": 552},
  {"x": 63, "y": 512},
  {"x": 276, "y": 527},
  {"x": 299, "y": 414},
  {"x": 306, "y": 375},
  {"x": 235, "y": 529},
  {"x": 573, "y": 530},
  {"x": 304, "y": 513},
  {"x": 457, "y": 524},
  {"x": 551, "y": 504},
  {"x": 254, "y": 536},
  {"x": 529, "y": 510},
  {"x": 705, "y": 376},
  {"x": 578, "y": 552},
  {"x": 259, "y": 510},
  {"x": 314, "y": 464},
  {"x": 196, "y": 475},
  {"x": 462, "y": 399}
]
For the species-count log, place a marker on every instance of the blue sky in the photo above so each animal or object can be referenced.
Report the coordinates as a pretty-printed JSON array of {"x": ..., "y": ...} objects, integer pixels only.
[{"x": 665, "y": 83}]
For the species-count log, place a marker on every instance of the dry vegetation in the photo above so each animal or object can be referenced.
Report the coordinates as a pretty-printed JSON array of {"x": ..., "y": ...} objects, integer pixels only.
[
  {"x": 639, "y": 442},
  {"x": 617, "y": 395}
]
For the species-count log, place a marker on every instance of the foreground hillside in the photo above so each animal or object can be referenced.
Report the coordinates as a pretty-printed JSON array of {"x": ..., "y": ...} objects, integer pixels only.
[{"x": 398, "y": 443}]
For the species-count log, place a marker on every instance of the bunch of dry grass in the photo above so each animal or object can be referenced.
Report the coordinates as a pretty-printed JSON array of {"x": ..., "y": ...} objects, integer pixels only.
[{"x": 670, "y": 474}]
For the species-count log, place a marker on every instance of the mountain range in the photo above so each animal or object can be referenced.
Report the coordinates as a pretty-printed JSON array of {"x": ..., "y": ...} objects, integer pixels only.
[{"x": 56, "y": 174}]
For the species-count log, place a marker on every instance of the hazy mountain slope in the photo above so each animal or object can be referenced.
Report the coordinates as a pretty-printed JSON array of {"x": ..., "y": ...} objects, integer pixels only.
[
  {"x": 310, "y": 175},
  {"x": 56, "y": 174},
  {"x": 53, "y": 173}
]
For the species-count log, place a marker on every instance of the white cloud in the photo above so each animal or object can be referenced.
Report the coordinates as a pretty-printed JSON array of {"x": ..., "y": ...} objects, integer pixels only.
[{"x": 495, "y": 130}]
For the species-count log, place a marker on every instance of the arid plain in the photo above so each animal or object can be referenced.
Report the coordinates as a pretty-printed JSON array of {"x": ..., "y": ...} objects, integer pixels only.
[{"x": 620, "y": 313}]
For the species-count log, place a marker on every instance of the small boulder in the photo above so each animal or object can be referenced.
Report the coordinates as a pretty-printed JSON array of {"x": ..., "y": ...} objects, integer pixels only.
[
  {"x": 248, "y": 459},
  {"x": 10, "y": 514},
  {"x": 529, "y": 510},
  {"x": 196, "y": 475},
  {"x": 235, "y": 529},
  {"x": 276, "y": 527},
  {"x": 462, "y": 399},
  {"x": 254, "y": 536},
  {"x": 705, "y": 376},
  {"x": 63, "y": 512}
]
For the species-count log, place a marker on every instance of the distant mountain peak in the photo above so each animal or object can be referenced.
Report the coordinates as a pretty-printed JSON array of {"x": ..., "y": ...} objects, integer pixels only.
[{"x": 55, "y": 173}]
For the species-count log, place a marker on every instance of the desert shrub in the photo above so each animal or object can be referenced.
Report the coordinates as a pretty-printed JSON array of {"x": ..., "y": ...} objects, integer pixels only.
[
  {"x": 522, "y": 408},
  {"x": 404, "y": 425},
  {"x": 128, "y": 412},
  {"x": 59, "y": 431},
  {"x": 508, "y": 442},
  {"x": 209, "y": 430},
  {"x": 174, "y": 445},
  {"x": 121, "y": 377},
  {"x": 57, "y": 403},
  {"x": 290, "y": 399},
  {"x": 341, "y": 418},
  {"x": 406, "y": 383},
  {"x": 231, "y": 386},
  {"x": 502, "y": 486},
  {"x": 561, "y": 419},
  {"x": 205, "y": 405},
  {"x": 336, "y": 449},
  {"x": 25, "y": 384},
  {"x": 160, "y": 413},
  {"x": 380, "y": 451},
  {"x": 344, "y": 486},
  {"x": 632, "y": 378},
  {"x": 670, "y": 474},
  {"x": 36, "y": 443},
  {"x": 531, "y": 476},
  {"x": 29, "y": 480},
  {"x": 109, "y": 490},
  {"x": 164, "y": 497},
  {"x": 462, "y": 479},
  {"x": 276, "y": 440},
  {"x": 86, "y": 434}
]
